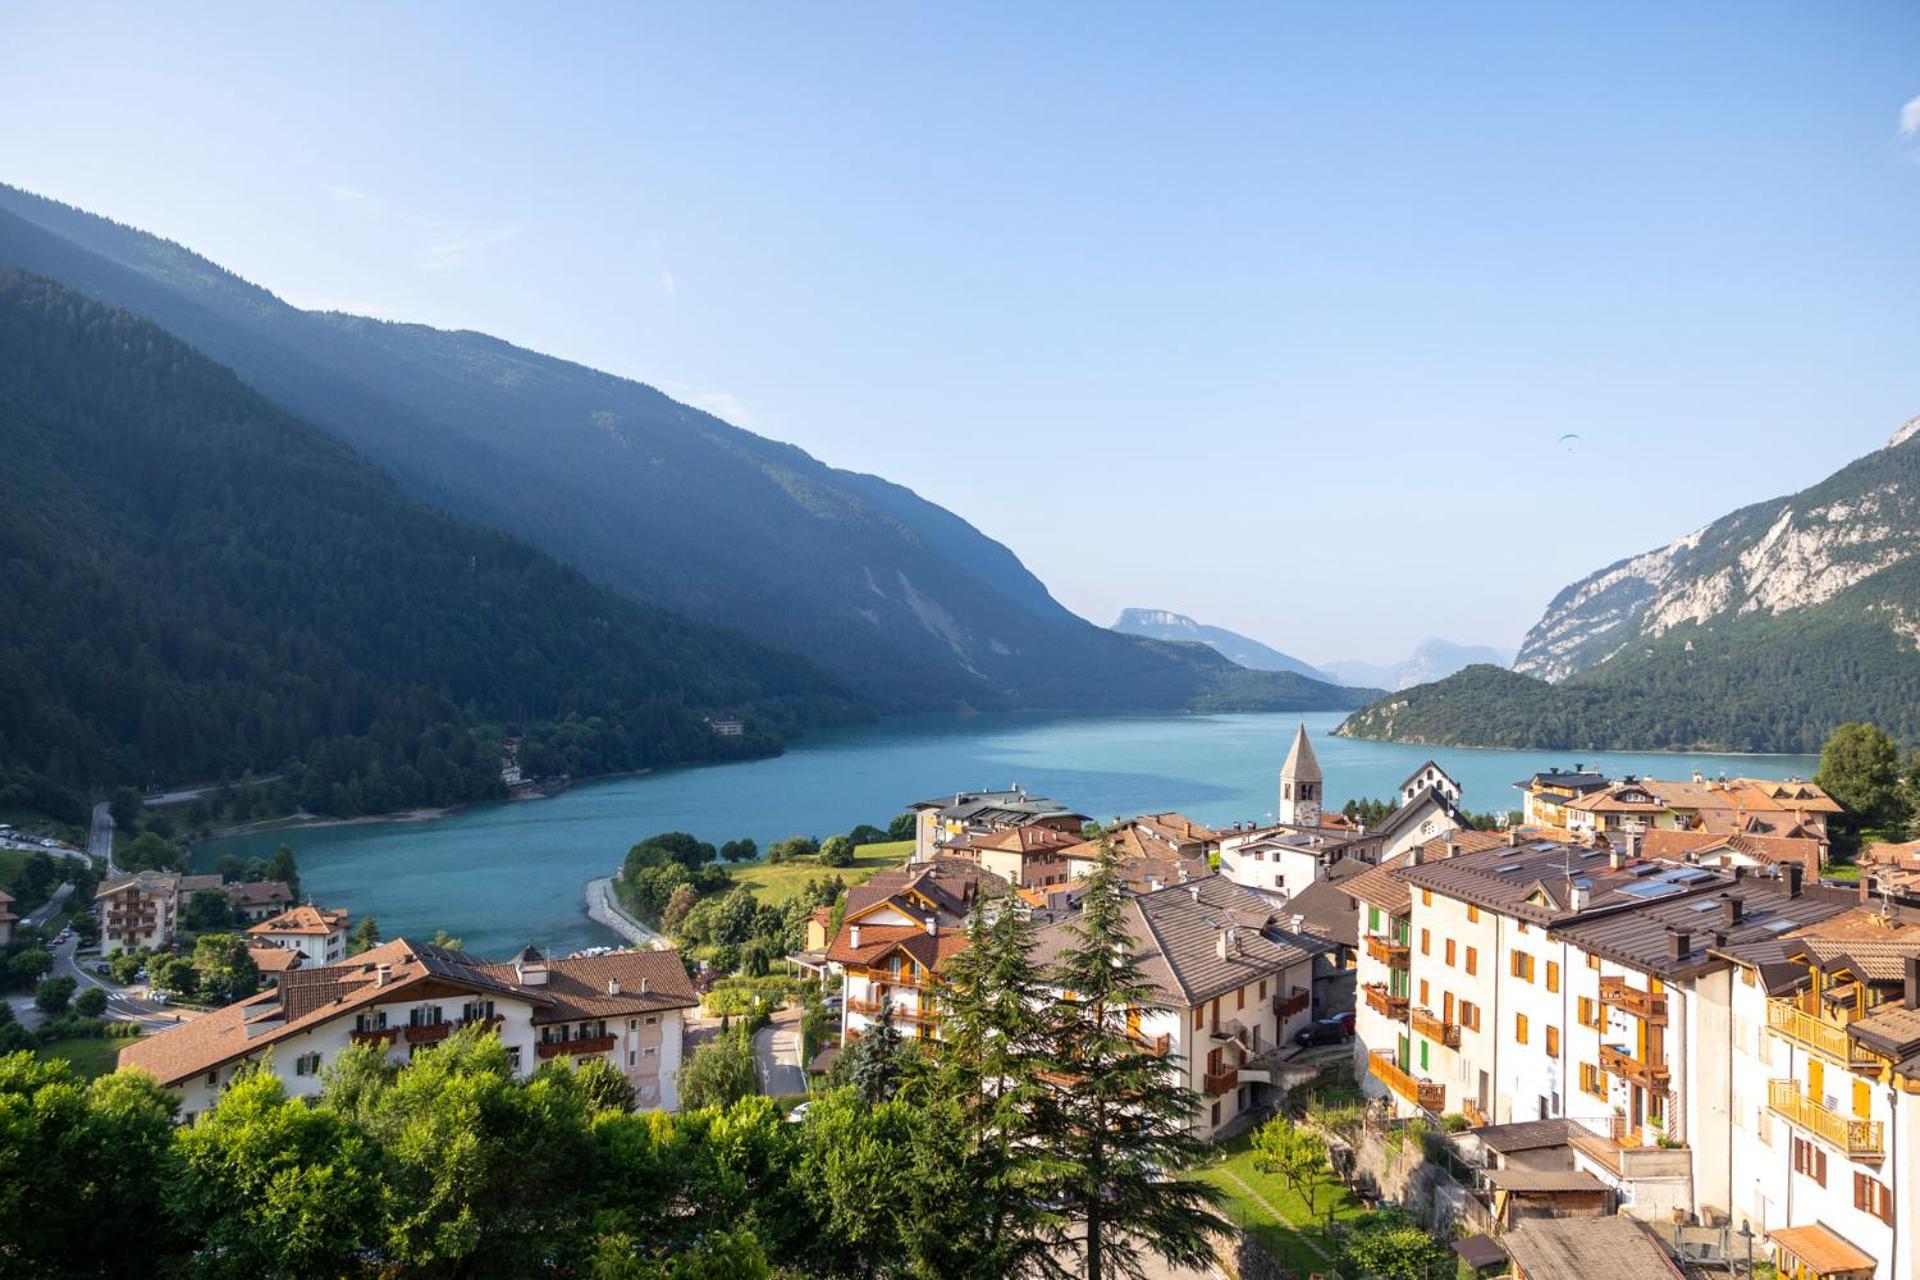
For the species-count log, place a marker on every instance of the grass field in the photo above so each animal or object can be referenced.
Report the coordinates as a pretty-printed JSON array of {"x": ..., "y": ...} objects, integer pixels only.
[
  {"x": 90, "y": 1056},
  {"x": 1291, "y": 1237},
  {"x": 776, "y": 882}
]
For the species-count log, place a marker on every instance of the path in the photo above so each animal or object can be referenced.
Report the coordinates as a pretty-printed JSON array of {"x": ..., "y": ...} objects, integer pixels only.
[
  {"x": 1279, "y": 1217},
  {"x": 776, "y": 1056},
  {"x": 100, "y": 837},
  {"x": 50, "y": 908},
  {"x": 603, "y": 908}
]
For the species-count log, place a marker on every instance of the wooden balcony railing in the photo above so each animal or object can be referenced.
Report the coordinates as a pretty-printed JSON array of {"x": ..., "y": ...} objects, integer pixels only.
[
  {"x": 1159, "y": 1046},
  {"x": 378, "y": 1035},
  {"x": 917, "y": 1015},
  {"x": 1860, "y": 1139},
  {"x": 1471, "y": 1110},
  {"x": 1787, "y": 1019},
  {"x": 577, "y": 1048},
  {"x": 1644, "y": 1005},
  {"x": 1616, "y": 1061},
  {"x": 1295, "y": 1001},
  {"x": 1219, "y": 1082},
  {"x": 1394, "y": 955},
  {"x": 429, "y": 1033},
  {"x": 1430, "y": 1025},
  {"x": 869, "y": 1007},
  {"x": 1428, "y": 1095},
  {"x": 1385, "y": 1003}
]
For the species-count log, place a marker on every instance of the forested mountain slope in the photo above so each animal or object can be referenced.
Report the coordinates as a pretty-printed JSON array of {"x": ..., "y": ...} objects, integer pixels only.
[
  {"x": 906, "y": 602},
  {"x": 1760, "y": 632},
  {"x": 194, "y": 583}
]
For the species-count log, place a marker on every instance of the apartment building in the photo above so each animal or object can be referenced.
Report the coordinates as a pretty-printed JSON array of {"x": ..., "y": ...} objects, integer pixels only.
[
  {"x": 7, "y": 918},
  {"x": 404, "y": 997},
  {"x": 1586, "y": 802},
  {"x": 1824, "y": 1095},
  {"x": 1029, "y": 857},
  {"x": 141, "y": 911},
  {"x": 1232, "y": 983},
  {"x": 318, "y": 935}
]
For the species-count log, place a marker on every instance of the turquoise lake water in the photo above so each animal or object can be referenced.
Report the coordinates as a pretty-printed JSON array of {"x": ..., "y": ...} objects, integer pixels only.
[{"x": 501, "y": 875}]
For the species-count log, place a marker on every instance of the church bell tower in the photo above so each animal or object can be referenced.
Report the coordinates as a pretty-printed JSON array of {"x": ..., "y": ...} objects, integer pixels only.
[{"x": 1300, "y": 784}]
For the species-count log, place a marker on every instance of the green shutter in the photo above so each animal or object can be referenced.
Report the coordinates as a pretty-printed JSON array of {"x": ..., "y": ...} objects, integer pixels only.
[
  {"x": 1423, "y": 1055},
  {"x": 1373, "y": 919}
]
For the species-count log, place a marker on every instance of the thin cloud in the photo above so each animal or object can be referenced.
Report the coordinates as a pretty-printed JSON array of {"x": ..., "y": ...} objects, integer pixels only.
[
  {"x": 349, "y": 195},
  {"x": 721, "y": 404},
  {"x": 452, "y": 254},
  {"x": 1910, "y": 117},
  {"x": 668, "y": 285}
]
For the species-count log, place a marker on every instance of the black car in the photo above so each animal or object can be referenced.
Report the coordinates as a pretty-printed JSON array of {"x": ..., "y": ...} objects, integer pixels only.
[{"x": 1326, "y": 1031}]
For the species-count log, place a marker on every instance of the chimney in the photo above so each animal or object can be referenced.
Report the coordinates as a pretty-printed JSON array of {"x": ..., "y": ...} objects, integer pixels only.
[
  {"x": 1193, "y": 891},
  {"x": 1794, "y": 874},
  {"x": 1739, "y": 873},
  {"x": 853, "y": 936},
  {"x": 1719, "y": 938},
  {"x": 1732, "y": 910},
  {"x": 933, "y": 926},
  {"x": 1910, "y": 990},
  {"x": 381, "y": 972},
  {"x": 1633, "y": 844},
  {"x": 1513, "y": 837},
  {"x": 1581, "y": 894},
  {"x": 1616, "y": 860},
  {"x": 613, "y": 986},
  {"x": 645, "y": 985},
  {"x": 1679, "y": 944},
  {"x": 1451, "y": 850},
  {"x": 1296, "y": 923}
]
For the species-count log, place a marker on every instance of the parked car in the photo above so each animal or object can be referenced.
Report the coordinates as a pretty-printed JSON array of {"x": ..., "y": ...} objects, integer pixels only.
[
  {"x": 1326, "y": 1031},
  {"x": 798, "y": 1114}
]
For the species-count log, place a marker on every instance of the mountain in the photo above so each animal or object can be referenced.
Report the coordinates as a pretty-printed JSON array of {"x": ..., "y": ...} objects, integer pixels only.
[
  {"x": 1431, "y": 660},
  {"x": 196, "y": 584},
  {"x": 1163, "y": 624},
  {"x": 908, "y": 604},
  {"x": 1760, "y": 632}
]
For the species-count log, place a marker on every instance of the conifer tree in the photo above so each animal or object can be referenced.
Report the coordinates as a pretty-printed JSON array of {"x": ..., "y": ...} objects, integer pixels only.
[
  {"x": 877, "y": 1065},
  {"x": 1116, "y": 1119}
]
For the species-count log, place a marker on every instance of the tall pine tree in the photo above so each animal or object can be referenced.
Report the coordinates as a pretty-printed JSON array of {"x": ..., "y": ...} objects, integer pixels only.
[{"x": 1116, "y": 1120}]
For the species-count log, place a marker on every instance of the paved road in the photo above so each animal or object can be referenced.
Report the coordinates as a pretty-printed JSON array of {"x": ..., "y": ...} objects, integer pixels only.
[
  {"x": 100, "y": 837},
  {"x": 776, "y": 1057},
  {"x": 124, "y": 1004}
]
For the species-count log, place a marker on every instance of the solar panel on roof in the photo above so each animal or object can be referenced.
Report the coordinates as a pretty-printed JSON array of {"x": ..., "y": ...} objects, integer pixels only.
[
  {"x": 1648, "y": 890},
  {"x": 1687, "y": 875}
]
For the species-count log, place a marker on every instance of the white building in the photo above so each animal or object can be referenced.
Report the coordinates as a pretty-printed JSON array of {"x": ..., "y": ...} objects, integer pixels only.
[
  {"x": 318, "y": 935},
  {"x": 624, "y": 1006}
]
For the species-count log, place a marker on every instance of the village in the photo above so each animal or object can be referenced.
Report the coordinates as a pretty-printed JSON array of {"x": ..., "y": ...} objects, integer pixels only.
[{"x": 1634, "y": 1017}]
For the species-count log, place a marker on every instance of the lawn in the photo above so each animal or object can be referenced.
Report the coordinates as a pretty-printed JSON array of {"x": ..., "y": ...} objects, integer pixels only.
[
  {"x": 90, "y": 1055},
  {"x": 776, "y": 882},
  {"x": 1291, "y": 1237}
]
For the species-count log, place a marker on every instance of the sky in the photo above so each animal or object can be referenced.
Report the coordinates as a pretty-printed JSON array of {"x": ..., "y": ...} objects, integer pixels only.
[{"x": 1274, "y": 315}]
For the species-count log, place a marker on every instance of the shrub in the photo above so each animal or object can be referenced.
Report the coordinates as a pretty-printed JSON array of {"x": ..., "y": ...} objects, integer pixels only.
[
  {"x": 53, "y": 994},
  {"x": 90, "y": 1003}
]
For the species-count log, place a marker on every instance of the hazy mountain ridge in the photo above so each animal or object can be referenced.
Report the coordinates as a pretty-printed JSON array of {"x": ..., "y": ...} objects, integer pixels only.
[
  {"x": 1164, "y": 624},
  {"x": 911, "y": 606},
  {"x": 1432, "y": 659},
  {"x": 1759, "y": 632}
]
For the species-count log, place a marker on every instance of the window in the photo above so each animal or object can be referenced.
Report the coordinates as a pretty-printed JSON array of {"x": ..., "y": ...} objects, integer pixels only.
[
  {"x": 1809, "y": 1161},
  {"x": 1589, "y": 1012},
  {"x": 649, "y": 1050},
  {"x": 1449, "y": 950},
  {"x": 632, "y": 1058},
  {"x": 1871, "y": 1196},
  {"x": 1522, "y": 965},
  {"x": 1426, "y": 897},
  {"x": 1593, "y": 963},
  {"x": 1553, "y": 1042},
  {"x": 1521, "y": 925},
  {"x": 1473, "y": 961},
  {"x": 1240, "y": 998},
  {"x": 1263, "y": 988},
  {"x": 1862, "y": 1100},
  {"x": 1593, "y": 1080},
  {"x": 1473, "y": 914},
  {"x": 1553, "y": 976},
  {"x": 307, "y": 1064},
  {"x": 1426, "y": 942},
  {"x": 1763, "y": 1126},
  {"x": 1469, "y": 1015},
  {"x": 1373, "y": 919},
  {"x": 1424, "y": 1002},
  {"x": 653, "y": 1018},
  {"x": 1199, "y": 1017},
  {"x": 1520, "y": 1027}
]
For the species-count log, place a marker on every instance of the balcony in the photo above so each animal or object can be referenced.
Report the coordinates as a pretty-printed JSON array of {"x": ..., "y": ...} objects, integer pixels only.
[
  {"x": 869, "y": 1007},
  {"x": 1428, "y": 1095},
  {"x": 1616, "y": 1061},
  {"x": 377, "y": 1035},
  {"x": 1159, "y": 1046},
  {"x": 1219, "y": 1082},
  {"x": 1645, "y": 1005},
  {"x": 1860, "y": 1139},
  {"x": 575, "y": 1048},
  {"x": 429, "y": 1033},
  {"x": 1394, "y": 955},
  {"x": 1785, "y": 1018},
  {"x": 927, "y": 1015},
  {"x": 1429, "y": 1024},
  {"x": 1475, "y": 1116},
  {"x": 1297, "y": 1001},
  {"x": 1385, "y": 1003}
]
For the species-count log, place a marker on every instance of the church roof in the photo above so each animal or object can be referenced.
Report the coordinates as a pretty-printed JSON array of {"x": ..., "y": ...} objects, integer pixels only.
[{"x": 1301, "y": 765}]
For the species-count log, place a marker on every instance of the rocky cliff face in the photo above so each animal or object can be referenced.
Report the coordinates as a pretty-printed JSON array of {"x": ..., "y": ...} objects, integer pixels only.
[{"x": 1773, "y": 558}]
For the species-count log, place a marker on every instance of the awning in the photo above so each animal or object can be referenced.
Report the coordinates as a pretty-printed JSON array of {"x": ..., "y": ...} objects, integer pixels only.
[
  {"x": 1823, "y": 1251},
  {"x": 1480, "y": 1251}
]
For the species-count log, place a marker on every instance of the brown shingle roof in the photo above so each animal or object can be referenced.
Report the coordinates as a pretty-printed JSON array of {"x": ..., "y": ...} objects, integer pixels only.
[
  {"x": 581, "y": 987},
  {"x": 1571, "y": 1248},
  {"x": 312, "y": 922}
]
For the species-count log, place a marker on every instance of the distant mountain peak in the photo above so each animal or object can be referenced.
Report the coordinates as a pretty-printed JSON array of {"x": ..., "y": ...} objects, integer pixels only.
[
  {"x": 1165, "y": 624},
  {"x": 1907, "y": 431}
]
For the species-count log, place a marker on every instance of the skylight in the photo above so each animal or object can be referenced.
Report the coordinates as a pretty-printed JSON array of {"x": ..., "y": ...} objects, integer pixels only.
[{"x": 1648, "y": 890}]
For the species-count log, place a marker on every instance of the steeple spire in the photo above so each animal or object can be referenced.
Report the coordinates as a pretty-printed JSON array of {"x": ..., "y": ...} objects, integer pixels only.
[{"x": 1300, "y": 784}]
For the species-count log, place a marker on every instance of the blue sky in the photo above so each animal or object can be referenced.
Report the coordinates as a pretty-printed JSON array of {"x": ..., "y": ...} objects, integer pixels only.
[{"x": 1271, "y": 315}]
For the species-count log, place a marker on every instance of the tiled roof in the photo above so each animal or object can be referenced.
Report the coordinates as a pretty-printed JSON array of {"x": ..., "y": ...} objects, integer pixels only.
[
  {"x": 1177, "y": 828},
  {"x": 1537, "y": 880},
  {"x": 311, "y": 922},
  {"x": 618, "y": 984},
  {"x": 270, "y": 958},
  {"x": 1385, "y": 885},
  {"x": 1824, "y": 1250},
  {"x": 950, "y": 885},
  {"x": 1524, "y": 1135},
  {"x": 1325, "y": 908},
  {"x": 157, "y": 882},
  {"x": 1178, "y": 934},
  {"x": 1570, "y": 1248},
  {"x": 1642, "y": 936},
  {"x": 877, "y": 941},
  {"x": 1301, "y": 763},
  {"x": 1543, "y": 1180},
  {"x": 261, "y": 893}
]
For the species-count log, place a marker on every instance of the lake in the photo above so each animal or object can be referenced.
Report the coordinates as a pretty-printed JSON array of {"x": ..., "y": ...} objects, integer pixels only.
[{"x": 502, "y": 875}]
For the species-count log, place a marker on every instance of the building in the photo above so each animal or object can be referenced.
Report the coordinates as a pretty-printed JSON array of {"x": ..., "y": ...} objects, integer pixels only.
[
  {"x": 1726, "y": 849},
  {"x": 1573, "y": 1249},
  {"x": 137, "y": 911},
  {"x": 1143, "y": 863},
  {"x": 896, "y": 930},
  {"x": 1231, "y": 985},
  {"x": 1546, "y": 795},
  {"x": 1584, "y": 802},
  {"x": 1029, "y": 857},
  {"x": 318, "y": 935},
  {"x": 7, "y": 918},
  {"x": 1175, "y": 835},
  {"x": 257, "y": 900},
  {"x": 1892, "y": 871},
  {"x": 273, "y": 960},
  {"x": 625, "y": 1007},
  {"x": 982, "y": 813}
]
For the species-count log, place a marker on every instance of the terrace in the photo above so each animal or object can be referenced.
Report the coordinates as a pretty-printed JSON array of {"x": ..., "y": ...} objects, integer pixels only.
[{"x": 1860, "y": 1139}]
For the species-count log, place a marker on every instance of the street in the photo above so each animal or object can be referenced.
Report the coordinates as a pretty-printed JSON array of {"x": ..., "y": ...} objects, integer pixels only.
[{"x": 776, "y": 1056}]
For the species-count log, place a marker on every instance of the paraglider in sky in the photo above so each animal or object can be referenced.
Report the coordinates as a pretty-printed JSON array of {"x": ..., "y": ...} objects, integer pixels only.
[{"x": 1569, "y": 440}]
